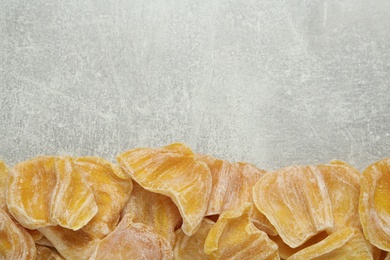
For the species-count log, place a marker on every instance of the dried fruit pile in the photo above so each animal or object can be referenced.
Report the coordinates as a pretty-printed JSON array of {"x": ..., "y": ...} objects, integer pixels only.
[{"x": 169, "y": 203}]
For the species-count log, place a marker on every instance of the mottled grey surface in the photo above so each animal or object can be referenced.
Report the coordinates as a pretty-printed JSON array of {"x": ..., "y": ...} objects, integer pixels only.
[{"x": 270, "y": 82}]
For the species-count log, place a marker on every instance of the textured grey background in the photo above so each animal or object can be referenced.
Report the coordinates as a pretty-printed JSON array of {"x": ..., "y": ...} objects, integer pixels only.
[{"x": 270, "y": 82}]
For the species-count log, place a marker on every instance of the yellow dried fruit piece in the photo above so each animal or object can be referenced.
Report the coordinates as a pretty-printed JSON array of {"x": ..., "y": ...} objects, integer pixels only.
[
  {"x": 46, "y": 253},
  {"x": 153, "y": 210},
  {"x": 343, "y": 184},
  {"x": 233, "y": 236},
  {"x": 133, "y": 241},
  {"x": 174, "y": 172},
  {"x": 295, "y": 200},
  {"x": 3, "y": 185},
  {"x": 192, "y": 247},
  {"x": 374, "y": 206},
  {"x": 15, "y": 242},
  {"x": 232, "y": 187},
  {"x": 347, "y": 243},
  {"x": 112, "y": 189}
]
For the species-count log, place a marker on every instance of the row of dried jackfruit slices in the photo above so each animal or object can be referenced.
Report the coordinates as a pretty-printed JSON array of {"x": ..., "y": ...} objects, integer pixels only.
[{"x": 169, "y": 203}]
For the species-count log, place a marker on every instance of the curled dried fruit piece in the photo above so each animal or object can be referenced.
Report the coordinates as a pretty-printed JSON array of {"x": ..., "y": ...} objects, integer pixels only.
[
  {"x": 347, "y": 243},
  {"x": 174, "y": 172},
  {"x": 154, "y": 210},
  {"x": 3, "y": 185},
  {"x": 46, "y": 253},
  {"x": 374, "y": 206},
  {"x": 233, "y": 236},
  {"x": 15, "y": 242},
  {"x": 192, "y": 247},
  {"x": 133, "y": 241},
  {"x": 48, "y": 191},
  {"x": 295, "y": 200}
]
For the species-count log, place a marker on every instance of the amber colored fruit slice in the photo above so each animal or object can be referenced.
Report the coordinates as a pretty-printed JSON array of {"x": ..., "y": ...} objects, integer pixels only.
[
  {"x": 133, "y": 241},
  {"x": 3, "y": 185},
  {"x": 232, "y": 188},
  {"x": 154, "y": 210},
  {"x": 174, "y": 172},
  {"x": 111, "y": 191},
  {"x": 192, "y": 247},
  {"x": 47, "y": 253},
  {"x": 15, "y": 242},
  {"x": 343, "y": 184},
  {"x": 233, "y": 236},
  {"x": 295, "y": 200},
  {"x": 347, "y": 243},
  {"x": 374, "y": 206}
]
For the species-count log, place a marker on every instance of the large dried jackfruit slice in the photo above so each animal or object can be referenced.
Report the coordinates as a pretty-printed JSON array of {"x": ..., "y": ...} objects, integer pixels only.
[
  {"x": 46, "y": 191},
  {"x": 111, "y": 188},
  {"x": 15, "y": 242},
  {"x": 233, "y": 236},
  {"x": 3, "y": 185},
  {"x": 374, "y": 206},
  {"x": 133, "y": 241},
  {"x": 347, "y": 243},
  {"x": 174, "y": 172},
  {"x": 192, "y": 247},
  {"x": 295, "y": 200},
  {"x": 154, "y": 210}
]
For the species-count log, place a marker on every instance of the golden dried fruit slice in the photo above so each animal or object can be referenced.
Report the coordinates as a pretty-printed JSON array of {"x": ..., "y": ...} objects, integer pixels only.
[
  {"x": 154, "y": 210},
  {"x": 374, "y": 206},
  {"x": 112, "y": 189},
  {"x": 174, "y": 172},
  {"x": 232, "y": 187},
  {"x": 15, "y": 242},
  {"x": 47, "y": 253},
  {"x": 233, "y": 236},
  {"x": 192, "y": 247},
  {"x": 295, "y": 200},
  {"x": 347, "y": 243},
  {"x": 133, "y": 241},
  {"x": 343, "y": 184},
  {"x": 3, "y": 185}
]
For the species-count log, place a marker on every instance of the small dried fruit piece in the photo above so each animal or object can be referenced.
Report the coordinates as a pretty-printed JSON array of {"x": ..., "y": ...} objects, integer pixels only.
[
  {"x": 192, "y": 247},
  {"x": 295, "y": 200},
  {"x": 233, "y": 236},
  {"x": 154, "y": 210},
  {"x": 347, "y": 243},
  {"x": 133, "y": 241},
  {"x": 232, "y": 187},
  {"x": 15, "y": 242},
  {"x": 174, "y": 172},
  {"x": 46, "y": 253},
  {"x": 3, "y": 185},
  {"x": 374, "y": 206}
]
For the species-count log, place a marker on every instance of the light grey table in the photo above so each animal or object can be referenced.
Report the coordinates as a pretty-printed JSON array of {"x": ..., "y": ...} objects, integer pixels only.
[{"x": 270, "y": 82}]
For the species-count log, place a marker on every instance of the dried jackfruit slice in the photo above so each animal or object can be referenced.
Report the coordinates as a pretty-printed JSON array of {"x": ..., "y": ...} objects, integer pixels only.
[
  {"x": 232, "y": 187},
  {"x": 15, "y": 242},
  {"x": 295, "y": 200},
  {"x": 347, "y": 243},
  {"x": 174, "y": 172},
  {"x": 111, "y": 188},
  {"x": 3, "y": 185},
  {"x": 343, "y": 184},
  {"x": 154, "y": 210},
  {"x": 46, "y": 253},
  {"x": 192, "y": 247},
  {"x": 133, "y": 241},
  {"x": 374, "y": 206},
  {"x": 233, "y": 236}
]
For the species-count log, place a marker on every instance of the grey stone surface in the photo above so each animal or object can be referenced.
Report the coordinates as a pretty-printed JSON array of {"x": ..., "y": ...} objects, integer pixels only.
[{"x": 270, "y": 82}]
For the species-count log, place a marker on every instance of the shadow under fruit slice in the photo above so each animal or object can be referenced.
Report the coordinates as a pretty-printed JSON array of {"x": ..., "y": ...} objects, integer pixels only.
[
  {"x": 347, "y": 243},
  {"x": 234, "y": 236},
  {"x": 374, "y": 204},
  {"x": 47, "y": 253},
  {"x": 174, "y": 172},
  {"x": 15, "y": 242},
  {"x": 295, "y": 200},
  {"x": 133, "y": 241}
]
